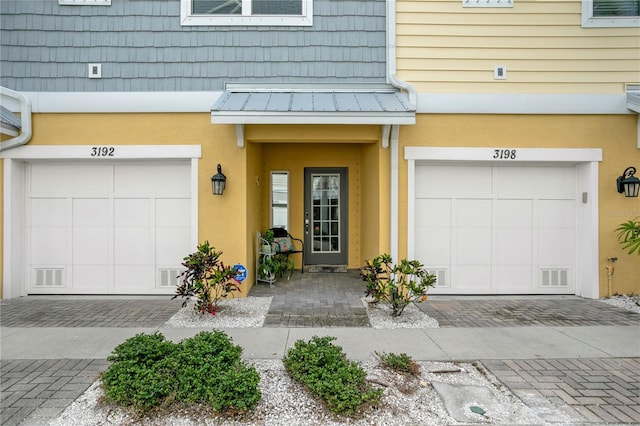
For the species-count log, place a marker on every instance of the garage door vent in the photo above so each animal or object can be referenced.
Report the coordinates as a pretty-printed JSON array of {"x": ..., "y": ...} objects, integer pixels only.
[
  {"x": 554, "y": 278},
  {"x": 441, "y": 277},
  {"x": 169, "y": 277},
  {"x": 49, "y": 277}
]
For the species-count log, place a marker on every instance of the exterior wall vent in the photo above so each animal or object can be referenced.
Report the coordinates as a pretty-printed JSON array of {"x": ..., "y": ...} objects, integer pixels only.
[
  {"x": 441, "y": 277},
  {"x": 554, "y": 278},
  {"x": 49, "y": 277},
  {"x": 168, "y": 277}
]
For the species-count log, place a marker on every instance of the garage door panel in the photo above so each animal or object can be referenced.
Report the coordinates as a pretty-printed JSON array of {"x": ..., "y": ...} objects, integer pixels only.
[
  {"x": 473, "y": 246},
  {"x": 433, "y": 212},
  {"x": 48, "y": 212},
  {"x": 556, "y": 213},
  {"x": 550, "y": 182},
  {"x": 473, "y": 213},
  {"x": 65, "y": 179},
  {"x": 91, "y": 278},
  {"x": 453, "y": 181},
  {"x": 48, "y": 246},
  {"x": 433, "y": 245},
  {"x": 133, "y": 278},
  {"x": 514, "y": 278},
  {"x": 90, "y": 212},
  {"x": 131, "y": 212},
  {"x": 514, "y": 213},
  {"x": 472, "y": 278},
  {"x": 133, "y": 246},
  {"x": 514, "y": 246},
  {"x": 91, "y": 246},
  {"x": 556, "y": 246},
  {"x": 161, "y": 179},
  {"x": 173, "y": 212}
]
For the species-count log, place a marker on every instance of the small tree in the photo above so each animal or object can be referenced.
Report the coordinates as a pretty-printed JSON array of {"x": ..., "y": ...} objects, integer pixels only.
[
  {"x": 207, "y": 279},
  {"x": 396, "y": 285},
  {"x": 629, "y": 235}
]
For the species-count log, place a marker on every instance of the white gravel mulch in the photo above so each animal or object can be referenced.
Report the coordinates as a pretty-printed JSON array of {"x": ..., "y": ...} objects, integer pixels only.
[
  {"x": 630, "y": 303},
  {"x": 233, "y": 313},
  {"x": 406, "y": 401},
  {"x": 412, "y": 317}
]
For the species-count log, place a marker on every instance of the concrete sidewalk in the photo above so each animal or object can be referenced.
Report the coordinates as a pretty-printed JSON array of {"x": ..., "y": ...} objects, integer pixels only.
[{"x": 436, "y": 344}]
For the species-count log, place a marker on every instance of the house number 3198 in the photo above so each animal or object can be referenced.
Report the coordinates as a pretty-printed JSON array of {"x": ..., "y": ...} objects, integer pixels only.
[
  {"x": 102, "y": 151},
  {"x": 504, "y": 154}
]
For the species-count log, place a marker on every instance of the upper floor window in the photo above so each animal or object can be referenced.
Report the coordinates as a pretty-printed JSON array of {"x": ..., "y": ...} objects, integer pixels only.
[
  {"x": 246, "y": 12},
  {"x": 610, "y": 13}
]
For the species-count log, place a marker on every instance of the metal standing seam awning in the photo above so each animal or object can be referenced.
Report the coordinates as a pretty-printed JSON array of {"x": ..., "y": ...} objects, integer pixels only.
[
  {"x": 10, "y": 124},
  {"x": 383, "y": 105}
]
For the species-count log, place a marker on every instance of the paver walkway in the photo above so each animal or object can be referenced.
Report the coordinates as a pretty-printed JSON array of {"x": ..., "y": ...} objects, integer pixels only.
[
  {"x": 510, "y": 311},
  {"x": 315, "y": 300},
  {"x": 575, "y": 391}
]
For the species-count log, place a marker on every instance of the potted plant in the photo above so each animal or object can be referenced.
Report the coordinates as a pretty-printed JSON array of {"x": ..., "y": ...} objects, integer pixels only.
[{"x": 268, "y": 242}]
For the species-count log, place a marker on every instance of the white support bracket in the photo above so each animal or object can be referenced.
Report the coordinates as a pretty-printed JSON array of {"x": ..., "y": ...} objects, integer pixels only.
[
  {"x": 240, "y": 135},
  {"x": 390, "y": 133}
]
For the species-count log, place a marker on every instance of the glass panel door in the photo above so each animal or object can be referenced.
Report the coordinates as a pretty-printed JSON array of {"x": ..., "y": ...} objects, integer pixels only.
[{"x": 326, "y": 216}]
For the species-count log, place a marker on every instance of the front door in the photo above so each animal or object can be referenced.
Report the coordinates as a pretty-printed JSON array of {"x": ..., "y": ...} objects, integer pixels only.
[{"x": 325, "y": 216}]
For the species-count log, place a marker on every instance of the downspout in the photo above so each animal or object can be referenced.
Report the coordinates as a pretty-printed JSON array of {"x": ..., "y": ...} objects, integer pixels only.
[
  {"x": 25, "y": 119},
  {"x": 395, "y": 128}
]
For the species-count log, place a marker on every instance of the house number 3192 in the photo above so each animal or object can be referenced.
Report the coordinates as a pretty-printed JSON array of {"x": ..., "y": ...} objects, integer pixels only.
[
  {"x": 504, "y": 154},
  {"x": 102, "y": 151}
]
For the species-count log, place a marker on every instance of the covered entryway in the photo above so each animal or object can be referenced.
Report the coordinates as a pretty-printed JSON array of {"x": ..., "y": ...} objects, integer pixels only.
[
  {"x": 107, "y": 227},
  {"x": 487, "y": 227}
]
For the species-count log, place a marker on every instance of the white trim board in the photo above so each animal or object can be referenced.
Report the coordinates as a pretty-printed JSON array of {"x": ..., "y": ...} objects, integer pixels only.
[
  {"x": 122, "y": 102},
  {"x": 435, "y": 103},
  {"x": 586, "y": 163},
  {"x": 522, "y": 103},
  {"x": 120, "y": 152}
]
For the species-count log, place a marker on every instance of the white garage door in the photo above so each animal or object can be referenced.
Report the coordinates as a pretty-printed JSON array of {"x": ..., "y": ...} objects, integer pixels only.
[
  {"x": 120, "y": 228},
  {"x": 497, "y": 230}
]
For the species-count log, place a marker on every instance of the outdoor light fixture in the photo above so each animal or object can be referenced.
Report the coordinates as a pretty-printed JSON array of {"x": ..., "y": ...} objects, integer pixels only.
[
  {"x": 628, "y": 183},
  {"x": 218, "y": 182}
]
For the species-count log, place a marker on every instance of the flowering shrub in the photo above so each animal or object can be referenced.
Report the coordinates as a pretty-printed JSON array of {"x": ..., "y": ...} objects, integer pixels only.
[
  {"x": 206, "y": 278},
  {"x": 396, "y": 285}
]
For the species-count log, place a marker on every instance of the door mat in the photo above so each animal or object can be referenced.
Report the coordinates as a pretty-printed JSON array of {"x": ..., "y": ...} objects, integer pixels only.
[{"x": 326, "y": 268}]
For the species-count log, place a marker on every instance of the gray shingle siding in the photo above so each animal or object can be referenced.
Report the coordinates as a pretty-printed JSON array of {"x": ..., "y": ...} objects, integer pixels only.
[{"x": 142, "y": 47}]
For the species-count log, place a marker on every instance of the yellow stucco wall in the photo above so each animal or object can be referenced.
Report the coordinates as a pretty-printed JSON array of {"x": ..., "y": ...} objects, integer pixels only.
[
  {"x": 229, "y": 222},
  {"x": 616, "y": 135}
]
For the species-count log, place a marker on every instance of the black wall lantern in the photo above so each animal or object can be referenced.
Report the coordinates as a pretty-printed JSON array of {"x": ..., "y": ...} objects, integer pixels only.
[
  {"x": 628, "y": 183},
  {"x": 218, "y": 182}
]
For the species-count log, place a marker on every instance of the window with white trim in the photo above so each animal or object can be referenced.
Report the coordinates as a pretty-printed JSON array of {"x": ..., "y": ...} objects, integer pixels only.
[
  {"x": 246, "y": 12},
  {"x": 85, "y": 2},
  {"x": 610, "y": 13},
  {"x": 280, "y": 199}
]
